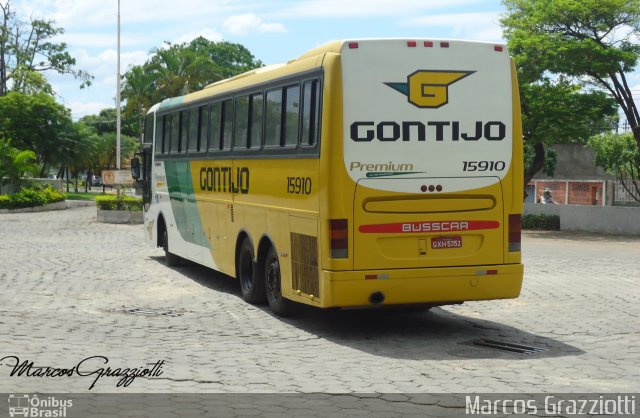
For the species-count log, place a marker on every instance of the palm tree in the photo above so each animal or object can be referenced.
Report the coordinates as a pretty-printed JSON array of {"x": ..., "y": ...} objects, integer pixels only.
[
  {"x": 15, "y": 163},
  {"x": 136, "y": 89}
]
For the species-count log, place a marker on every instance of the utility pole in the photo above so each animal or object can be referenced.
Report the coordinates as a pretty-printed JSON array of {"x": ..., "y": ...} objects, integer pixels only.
[{"x": 118, "y": 107}]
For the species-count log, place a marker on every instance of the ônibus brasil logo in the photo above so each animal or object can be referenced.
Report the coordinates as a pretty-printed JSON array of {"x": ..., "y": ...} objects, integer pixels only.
[{"x": 429, "y": 88}]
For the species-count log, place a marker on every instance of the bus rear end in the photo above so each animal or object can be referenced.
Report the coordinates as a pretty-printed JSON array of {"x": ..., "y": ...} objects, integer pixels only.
[{"x": 431, "y": 163}]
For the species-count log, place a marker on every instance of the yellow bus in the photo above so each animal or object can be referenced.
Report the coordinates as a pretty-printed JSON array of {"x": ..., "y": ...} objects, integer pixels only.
[{"x": 363, "y": 173}]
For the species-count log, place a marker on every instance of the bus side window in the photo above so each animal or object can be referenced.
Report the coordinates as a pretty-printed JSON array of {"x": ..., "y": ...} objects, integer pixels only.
[
  {"x": 291, "y": 118},
  {"x": 194, "y": 123},
  {"x": 273, "y": 118},
  {"x": 159, "y": 145},
  {"x": 310, "y": 113},
  {"x": 227, "y": 124},
  {"x": 175, "y": 133},
  {"x": 256, "y": 105},
  {"x": 216, "y": 127},
  {"x": 241, "y": 134},
  {"x": 203, "y": 130},
  {"x": 148, "y": 129},
  {"x": 167, "y": 134},
  {"x": 184, "y": 131}
]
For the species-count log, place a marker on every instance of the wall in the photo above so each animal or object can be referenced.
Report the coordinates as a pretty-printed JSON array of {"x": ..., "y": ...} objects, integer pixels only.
[
  {"x": 603, "y": 219},
  {"x": 571, "y": 192},
  {"x": 575, "y": 162}
]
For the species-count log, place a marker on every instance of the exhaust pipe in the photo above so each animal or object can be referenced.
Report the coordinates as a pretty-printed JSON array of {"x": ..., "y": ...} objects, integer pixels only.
[{"x": 376, "y": 298}]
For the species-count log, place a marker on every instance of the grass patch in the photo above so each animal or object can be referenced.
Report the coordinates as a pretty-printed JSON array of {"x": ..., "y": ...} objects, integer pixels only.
[
  {"x": 80, "y": 196},
  {"x": 111, "y": 202}
]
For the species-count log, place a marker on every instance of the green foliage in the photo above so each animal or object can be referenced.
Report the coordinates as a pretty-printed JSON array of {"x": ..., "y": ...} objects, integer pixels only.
[
  {"x": 585, "y": 37},
  {"x": 591, "y": 40},
  {"x": 560, "y": 48},
  {"x": 28, "y": 81},
  {"x": 549, "y": 162},
  {"x": 105, "y": 122},
  {"x": 541, "y": 222},
  {"x": 38, "y": 123},
  {"x": 180, "y": 69},
  {"x": 564, "y": 112},
  {"x": 111, "y": 202},
  {"x": 80, "y": 196},
  {"x": 29, "y": 47},
  {"x": 620, "y": 156},
  {"x": 15, "y": 163},
  {"x": 31, "y": 197}
]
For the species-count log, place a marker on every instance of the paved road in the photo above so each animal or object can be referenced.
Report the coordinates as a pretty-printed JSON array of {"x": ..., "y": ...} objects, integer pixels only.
[{"x": 72, "y": 288}]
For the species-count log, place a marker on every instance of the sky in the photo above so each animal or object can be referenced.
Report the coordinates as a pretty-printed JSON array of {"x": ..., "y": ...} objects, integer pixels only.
[{"x": 274, "y": 31}]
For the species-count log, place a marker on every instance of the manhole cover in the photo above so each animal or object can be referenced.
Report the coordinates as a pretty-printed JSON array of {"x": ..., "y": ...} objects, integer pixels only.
[
  {"x": 505, "y": 346},
  {"x": 148, "y": 312}
]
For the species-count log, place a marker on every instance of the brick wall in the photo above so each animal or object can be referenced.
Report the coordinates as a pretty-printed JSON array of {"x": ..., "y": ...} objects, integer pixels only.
[{"x": 572, "y": 192}]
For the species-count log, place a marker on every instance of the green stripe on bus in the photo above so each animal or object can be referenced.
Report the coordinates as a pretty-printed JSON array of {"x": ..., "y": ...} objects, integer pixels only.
[{"x": 183, "y": 203}]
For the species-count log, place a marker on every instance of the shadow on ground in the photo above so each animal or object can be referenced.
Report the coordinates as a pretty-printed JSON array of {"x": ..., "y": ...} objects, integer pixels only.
[{"x": 403, "y": 333}]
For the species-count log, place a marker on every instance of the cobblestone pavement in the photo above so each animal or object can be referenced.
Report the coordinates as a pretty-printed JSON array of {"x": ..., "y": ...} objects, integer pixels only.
[{"x": 72, "y": 288}]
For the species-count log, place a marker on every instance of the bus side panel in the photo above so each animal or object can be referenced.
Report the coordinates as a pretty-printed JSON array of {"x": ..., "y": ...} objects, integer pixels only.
[
  {"x": 337, "y": 188},
  {"x": 279, "y": 201},
  {"x": 514, "y": 200}
]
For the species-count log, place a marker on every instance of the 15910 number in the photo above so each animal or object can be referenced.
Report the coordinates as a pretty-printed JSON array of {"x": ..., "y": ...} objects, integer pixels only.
[
  {"x": 299, "y": 185},
  {"x": 483, "y": 165}
]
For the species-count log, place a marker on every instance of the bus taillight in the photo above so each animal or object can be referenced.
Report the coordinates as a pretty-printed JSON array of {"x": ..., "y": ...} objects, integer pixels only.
[
  {"x": 339, "y": 238},
  {"x": 515, "y": 229}
]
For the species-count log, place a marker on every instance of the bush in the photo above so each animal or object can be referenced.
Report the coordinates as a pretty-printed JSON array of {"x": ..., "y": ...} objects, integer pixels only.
[
  {"x": 541, "y": 222},
  {"x": 31, "y": 197},
  {"x": 112, "y": 202}
]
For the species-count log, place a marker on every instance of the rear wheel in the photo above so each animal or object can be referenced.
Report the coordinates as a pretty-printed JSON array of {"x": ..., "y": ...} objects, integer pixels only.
[
  {"x": 170, "y": 259},
  {"x": 279, "y": 305},
  {"x": 252, "y": 288}
]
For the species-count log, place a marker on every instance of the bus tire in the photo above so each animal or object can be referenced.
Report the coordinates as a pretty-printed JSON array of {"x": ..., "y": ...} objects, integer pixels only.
[
  {"x": 170, "y": 259},
  {"x": 251, "y": 286},
  {"x": 279, "y": 305}
]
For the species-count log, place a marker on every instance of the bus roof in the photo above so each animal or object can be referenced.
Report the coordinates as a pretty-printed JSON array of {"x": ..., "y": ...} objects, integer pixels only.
[{"x": 305, "y": 60}]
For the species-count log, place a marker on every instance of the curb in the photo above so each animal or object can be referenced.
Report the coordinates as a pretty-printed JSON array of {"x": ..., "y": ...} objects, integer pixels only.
[
  {"x": 120, "y": 217},
  {"x": 51, "y": 206}
]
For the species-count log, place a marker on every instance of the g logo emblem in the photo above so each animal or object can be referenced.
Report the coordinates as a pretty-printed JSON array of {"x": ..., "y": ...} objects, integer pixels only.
[{"x": 429, "y": 88}]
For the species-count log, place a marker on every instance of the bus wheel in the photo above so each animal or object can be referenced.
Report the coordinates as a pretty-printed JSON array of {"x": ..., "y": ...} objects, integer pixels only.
[
  {"x": 279, "y": 305},
  {"x": 170, "y": 259},
  {"x": 252, "y": 288}
]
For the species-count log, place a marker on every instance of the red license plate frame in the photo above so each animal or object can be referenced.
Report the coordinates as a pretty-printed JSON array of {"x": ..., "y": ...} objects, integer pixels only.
[{"x": 446, "y": 242}]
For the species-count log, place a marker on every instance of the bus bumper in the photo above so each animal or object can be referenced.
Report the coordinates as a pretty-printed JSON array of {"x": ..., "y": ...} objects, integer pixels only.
[{"x": 420, "y": 286}]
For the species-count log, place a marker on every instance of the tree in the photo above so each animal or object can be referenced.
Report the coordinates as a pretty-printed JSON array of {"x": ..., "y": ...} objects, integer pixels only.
[
  {"x": 559, "y": 102},
  {"x": 99, "y": 133},
  {"x": 104, "y": 156},
  {"x": 15, "y": 163},
  {"x": 620, "y": 156},
  {"x": 595, "y": 41},
  {"x": 105, "y": 121},
  {"x": 559, "y": 112},
  {"x": 39, "y": 124},
  {"x": 181, "y": 69},
  {"x": 29, "y": 47}
]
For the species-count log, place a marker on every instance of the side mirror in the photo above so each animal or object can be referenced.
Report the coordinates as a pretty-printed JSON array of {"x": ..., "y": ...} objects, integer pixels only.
[{"x": 135, "y": 168}]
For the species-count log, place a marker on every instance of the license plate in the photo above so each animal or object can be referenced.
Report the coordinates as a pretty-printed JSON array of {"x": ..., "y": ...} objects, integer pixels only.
[{"x": 440, "y": 243}]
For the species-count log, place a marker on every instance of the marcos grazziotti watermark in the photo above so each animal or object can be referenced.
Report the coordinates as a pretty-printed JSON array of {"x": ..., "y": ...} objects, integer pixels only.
[{"x": 94, "y": 366}]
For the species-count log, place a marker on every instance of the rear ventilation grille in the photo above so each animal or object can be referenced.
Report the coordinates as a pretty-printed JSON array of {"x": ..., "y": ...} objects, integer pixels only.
[{"x": 304, "y": 264}]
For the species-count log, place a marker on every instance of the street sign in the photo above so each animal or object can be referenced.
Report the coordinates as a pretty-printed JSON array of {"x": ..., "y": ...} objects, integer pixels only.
[{"x": 117, "y": 177}]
